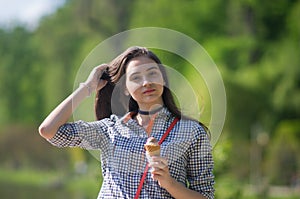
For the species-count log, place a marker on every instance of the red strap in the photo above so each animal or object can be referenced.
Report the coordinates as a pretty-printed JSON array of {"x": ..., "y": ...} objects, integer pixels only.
[
  {"x": 137, "y": 194},
  {"x": 168, "y": 130},
  {"x": 138, "y": 191}
]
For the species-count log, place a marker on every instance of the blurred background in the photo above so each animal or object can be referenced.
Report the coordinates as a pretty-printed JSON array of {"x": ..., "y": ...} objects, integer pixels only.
[{"x": 255, "y": 44}]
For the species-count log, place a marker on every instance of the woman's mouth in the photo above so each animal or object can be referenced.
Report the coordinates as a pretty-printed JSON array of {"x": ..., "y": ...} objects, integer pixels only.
[{"x": 149, "y": 91}]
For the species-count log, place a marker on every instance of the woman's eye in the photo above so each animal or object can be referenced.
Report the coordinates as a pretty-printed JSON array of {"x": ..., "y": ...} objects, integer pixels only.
[
  {"x": 153, "y": 73},
  {"x": 135, "y": 78}
]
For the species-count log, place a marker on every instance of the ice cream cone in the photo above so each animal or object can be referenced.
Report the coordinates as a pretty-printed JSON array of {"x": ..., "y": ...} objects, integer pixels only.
[{"x": 152, "y": 147}]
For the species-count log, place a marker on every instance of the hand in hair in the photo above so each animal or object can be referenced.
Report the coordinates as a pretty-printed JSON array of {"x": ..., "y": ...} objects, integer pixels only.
[{"x": 94, "y": 81}]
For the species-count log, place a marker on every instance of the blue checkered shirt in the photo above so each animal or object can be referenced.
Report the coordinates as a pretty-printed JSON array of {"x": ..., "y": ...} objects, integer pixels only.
[{"x": 121, "y": 142}]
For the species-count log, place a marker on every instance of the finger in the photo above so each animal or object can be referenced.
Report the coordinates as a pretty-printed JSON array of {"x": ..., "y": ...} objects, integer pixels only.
[
  {"x": 100, "y": 69},
  {"x": 159, "y": 158},
  {"x": 164, "y": 161},
  {"x": 155, "y": 177},
  {"x": 158, "y": 171},
  {"x": 96, "y": 73},
  {"x": 102, "y": 66},
  {"x": 159, "y": 163}
]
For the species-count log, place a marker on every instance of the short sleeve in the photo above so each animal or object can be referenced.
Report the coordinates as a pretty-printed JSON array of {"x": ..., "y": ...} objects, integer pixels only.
[
  {"x": 200, "y": 164},
  {"x": 86, "y": 135}
]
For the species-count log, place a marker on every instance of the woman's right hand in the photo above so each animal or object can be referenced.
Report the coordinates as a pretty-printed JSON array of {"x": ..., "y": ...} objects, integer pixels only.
[{"x": 94, "y": 81}]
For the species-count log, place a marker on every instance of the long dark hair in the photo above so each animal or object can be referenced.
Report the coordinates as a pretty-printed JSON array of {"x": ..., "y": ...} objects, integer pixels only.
[{"x": 112, "y": 95}]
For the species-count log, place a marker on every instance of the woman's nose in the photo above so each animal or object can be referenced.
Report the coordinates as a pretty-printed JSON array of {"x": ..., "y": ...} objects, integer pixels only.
[{"x": 146, "y": 81}]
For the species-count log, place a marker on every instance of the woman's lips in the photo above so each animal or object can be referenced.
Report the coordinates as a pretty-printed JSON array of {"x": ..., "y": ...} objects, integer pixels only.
[{"x": 148, "y": 91}]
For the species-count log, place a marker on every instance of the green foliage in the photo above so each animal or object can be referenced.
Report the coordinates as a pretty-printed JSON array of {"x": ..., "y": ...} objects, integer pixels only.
[
  {"x": 197, "y": 18},
  {"x": 20, "y": 77},
  {"x": 221, "y": 153},
  {"x": 228, "y": 188},
  {"x": 283, "y": 163}
]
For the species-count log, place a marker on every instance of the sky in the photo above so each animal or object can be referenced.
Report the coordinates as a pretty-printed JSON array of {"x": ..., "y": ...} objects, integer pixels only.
[{"x": 27, "y": 12}]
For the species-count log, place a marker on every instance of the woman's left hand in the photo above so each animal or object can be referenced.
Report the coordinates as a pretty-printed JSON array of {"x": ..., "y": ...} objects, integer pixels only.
[{"x": 160, "y": 171}]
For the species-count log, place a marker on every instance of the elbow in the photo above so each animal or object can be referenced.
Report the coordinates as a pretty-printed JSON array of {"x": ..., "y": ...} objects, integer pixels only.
[{"x": 45, "y": 132}]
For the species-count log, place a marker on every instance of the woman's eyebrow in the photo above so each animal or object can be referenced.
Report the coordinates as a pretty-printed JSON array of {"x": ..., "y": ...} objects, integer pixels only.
[
  {"x": 153, "y": 67},
  {"x": 134, "y": 73}
]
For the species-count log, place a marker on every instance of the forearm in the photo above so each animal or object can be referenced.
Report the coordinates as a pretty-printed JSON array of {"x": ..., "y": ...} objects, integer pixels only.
[
  {"x": 62, "y": 113},
  {"x": 178, "y": 191}
]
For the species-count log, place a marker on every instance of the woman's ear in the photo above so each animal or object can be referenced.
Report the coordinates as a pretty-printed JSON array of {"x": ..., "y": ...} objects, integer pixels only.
[{"x": 126, "y": 92}]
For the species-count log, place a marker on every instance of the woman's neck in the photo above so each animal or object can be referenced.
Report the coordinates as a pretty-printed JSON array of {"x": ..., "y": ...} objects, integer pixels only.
[
  {"x": 151, "y": 111},
  {"x": 143, "y": 120},
  {"x": 150, "y": 107},
  {"x": 146, "y": 112}
]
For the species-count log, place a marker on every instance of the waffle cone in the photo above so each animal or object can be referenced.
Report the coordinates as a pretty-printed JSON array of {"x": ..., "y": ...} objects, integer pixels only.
[
  {"x": 152, "y": 147},
  {"x": 152, "y": 150}
]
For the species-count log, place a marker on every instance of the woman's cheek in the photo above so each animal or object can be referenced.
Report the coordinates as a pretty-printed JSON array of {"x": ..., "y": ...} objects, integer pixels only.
[{"x": 133, "y": 88}]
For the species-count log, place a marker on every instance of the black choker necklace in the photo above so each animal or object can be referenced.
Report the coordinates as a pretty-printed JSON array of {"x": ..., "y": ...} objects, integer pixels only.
[{"x": 150, "y": 112}]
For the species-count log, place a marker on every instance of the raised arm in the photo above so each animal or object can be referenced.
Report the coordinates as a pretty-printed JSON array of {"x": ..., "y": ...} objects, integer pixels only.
[{"x": 62, "y": 113}]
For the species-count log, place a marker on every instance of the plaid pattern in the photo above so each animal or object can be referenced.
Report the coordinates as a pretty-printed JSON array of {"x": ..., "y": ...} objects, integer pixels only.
[{"x": 123, "y": 159}]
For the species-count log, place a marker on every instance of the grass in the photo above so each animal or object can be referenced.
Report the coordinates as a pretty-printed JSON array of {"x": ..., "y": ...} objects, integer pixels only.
[
  {"x": 28, "y": 183},
  {"x": 27, "y": 177},
  {"x": 229, "y": 188}
]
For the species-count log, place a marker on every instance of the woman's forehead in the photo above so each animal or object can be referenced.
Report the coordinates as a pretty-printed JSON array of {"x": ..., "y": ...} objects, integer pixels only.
[{"x": 141, "y": 64}]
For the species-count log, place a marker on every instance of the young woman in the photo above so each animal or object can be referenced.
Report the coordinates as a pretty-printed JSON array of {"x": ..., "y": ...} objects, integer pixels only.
[{"x": 185, "y": 167}]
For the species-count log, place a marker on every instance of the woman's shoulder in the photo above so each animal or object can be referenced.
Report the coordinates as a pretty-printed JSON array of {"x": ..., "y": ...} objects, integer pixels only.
[
  {"x": 112, "y": 120},
  {"x": 192, "y": 122},
  {"x": 108, "y": 121},
  {"x": 194, "y": 126}
]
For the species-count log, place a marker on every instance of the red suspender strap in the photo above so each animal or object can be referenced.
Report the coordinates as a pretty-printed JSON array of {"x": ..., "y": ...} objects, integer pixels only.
[
  {"x": 138, "y": 191},
  {"x": 137, "y": 194},
  {"x": 168, "y": 130}
]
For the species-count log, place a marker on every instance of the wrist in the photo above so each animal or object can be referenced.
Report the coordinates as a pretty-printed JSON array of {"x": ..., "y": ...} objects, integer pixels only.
[
  {"x": 87, "y": 87},
  {"x": 171, "y": 184}
]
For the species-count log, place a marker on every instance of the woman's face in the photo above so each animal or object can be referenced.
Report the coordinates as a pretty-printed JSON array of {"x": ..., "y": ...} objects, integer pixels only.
[{"x": 144, "y": 82}]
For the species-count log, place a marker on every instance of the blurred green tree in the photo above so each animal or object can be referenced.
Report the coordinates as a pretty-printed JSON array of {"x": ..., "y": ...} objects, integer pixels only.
[
  {"x": 283, "y": 161},
  {"x": 21, "y": 94}
]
